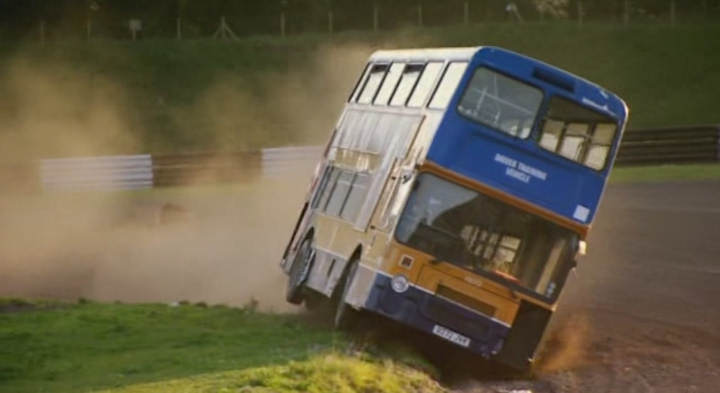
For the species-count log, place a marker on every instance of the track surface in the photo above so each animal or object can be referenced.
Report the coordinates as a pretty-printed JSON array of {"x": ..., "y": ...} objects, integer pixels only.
[{"x": 643, "y": 312}]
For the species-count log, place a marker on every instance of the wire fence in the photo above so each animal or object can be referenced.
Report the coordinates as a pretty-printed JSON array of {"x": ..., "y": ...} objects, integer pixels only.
[{"x": 186, "y": 19}]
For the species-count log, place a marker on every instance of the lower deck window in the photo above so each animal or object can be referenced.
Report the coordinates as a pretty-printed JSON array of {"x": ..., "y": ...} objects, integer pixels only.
[{"x": 342, "y": 193}]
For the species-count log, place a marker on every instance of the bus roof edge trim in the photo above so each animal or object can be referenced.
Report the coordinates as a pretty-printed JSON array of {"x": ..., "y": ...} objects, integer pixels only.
[
  {"x": 425, "y": 54},
  {"x": 554, "y": 78}
]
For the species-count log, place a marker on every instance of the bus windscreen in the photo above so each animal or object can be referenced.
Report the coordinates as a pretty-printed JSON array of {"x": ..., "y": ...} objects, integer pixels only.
[{"x": 466, "y": 228}]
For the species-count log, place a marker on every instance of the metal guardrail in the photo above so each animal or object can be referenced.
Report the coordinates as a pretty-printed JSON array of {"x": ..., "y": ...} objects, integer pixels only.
[
  {"x": 670, "y": 145},
  {"x": 175, "y": 169},
  {"x": 639, "y": 147},
  {"x": 97, "y": 173},
  {"x": 145, "y": 171},
  {"x": 178, "y": 169},
  {"x": 281, "y": 160}
]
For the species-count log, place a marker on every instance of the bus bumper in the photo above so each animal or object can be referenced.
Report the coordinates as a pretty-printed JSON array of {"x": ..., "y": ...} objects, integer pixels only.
[{"x": 434, "y": 315}]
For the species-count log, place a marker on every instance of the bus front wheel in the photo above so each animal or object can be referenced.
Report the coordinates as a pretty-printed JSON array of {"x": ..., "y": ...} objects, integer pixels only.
[
  {"x": 345, "y": 315},
  {"x": 299, "y": 272}
]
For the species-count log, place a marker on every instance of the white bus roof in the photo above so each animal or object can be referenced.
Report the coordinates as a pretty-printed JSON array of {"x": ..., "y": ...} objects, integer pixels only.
[{"x": 421, "y": 55}]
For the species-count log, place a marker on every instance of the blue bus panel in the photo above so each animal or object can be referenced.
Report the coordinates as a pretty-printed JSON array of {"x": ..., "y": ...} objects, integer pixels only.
[{"x": 520, "y": 167}]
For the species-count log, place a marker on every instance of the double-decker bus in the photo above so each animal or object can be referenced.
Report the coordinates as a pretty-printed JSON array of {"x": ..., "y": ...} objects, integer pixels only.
[{"x": 454, "y": 195}]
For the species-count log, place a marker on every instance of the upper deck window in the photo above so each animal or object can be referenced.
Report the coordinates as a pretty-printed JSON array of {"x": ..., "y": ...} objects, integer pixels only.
[
  {"x": 501, "y": 102},
  {"x": 359, "y": 84},
  {"x": 448, "y": 85},
  {"x": 410, "y": 75},
  {"x": 425, "y": 84},
  {"x": 577, "y": 133},
  {"x": 389, "y": 84},
  {"x": 374, "y": 78}
]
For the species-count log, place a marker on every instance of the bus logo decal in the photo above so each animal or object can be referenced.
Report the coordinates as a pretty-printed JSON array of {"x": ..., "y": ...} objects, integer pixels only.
[{"x": 519, "y": 170}]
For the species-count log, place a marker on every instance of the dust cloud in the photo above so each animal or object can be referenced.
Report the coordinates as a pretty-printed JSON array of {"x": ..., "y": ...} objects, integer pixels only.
[
  {"x": 297, "y": 107},
  {"x": 53, "y": 110},
  {"x": 221, "y": 245},
  {"x": 216, "y": 244},
  {"x": 568, "y": 343}
]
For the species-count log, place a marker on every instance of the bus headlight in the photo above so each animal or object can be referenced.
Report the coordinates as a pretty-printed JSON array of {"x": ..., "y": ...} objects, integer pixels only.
[{"x": 399, "y": 283}]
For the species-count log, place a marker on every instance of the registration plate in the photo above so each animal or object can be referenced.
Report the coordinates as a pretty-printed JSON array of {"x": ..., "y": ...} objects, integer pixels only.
[{"x": 451, "y": 336}]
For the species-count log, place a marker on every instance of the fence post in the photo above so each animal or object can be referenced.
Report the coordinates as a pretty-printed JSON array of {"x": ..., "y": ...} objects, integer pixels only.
[
  {"x": 282, "y": 23},
  {"x": 419, "y": 15},
  {"x": 580, "y": 13},
  {"x": 178, "y": 28},
  {"x": 466, "y": 13},
  {"x": 42, "y": 33},
  {"x": 330, "y": 22},
  {"x": 672, "y": 12},
  {"x": 717, "y": 148},
  {"x": 376, "y": 17},
  {"x": 88, "y": 28},
  {"x": 626, "y": 13}
]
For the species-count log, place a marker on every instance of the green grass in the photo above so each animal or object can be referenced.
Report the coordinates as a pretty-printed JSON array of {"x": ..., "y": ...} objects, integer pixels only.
[
  {"x": 88, "y": 346},
  {"x": 91, "y": 345},
  {"x": 264, "y": 91},
  {"x": 665, "y": 173},
  {"x": 334, "y": 373}
]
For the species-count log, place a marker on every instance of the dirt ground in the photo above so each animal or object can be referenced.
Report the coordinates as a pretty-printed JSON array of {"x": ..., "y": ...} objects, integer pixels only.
[{"x": 641, "y": 314}]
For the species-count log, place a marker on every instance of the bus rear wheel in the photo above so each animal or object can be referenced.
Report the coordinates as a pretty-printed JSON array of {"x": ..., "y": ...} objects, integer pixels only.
[
  {"x": 345, "y": 315},
  {"x": 299, "y": 272}
]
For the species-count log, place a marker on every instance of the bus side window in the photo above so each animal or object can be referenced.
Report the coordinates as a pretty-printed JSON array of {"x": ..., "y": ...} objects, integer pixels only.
[
  {"x": 448, "y": 85},
  {"x": 573, "y": 143},
  {"x": 374, "y": 79},
  {"x": 600, "y": 145},
  {"x": 552, "y": 130},
  {"x": 407, "y": 82},
  {"x": 356, "y": 198},
  {"x": 577, "y": 133},
  {"x": 388, "y": 86},
  {"x": 328, "y": 186},
  {"x": 321, "y": 187},
  {"x": 339, "y": 194},
  {"x": 360, "y": 83},
  {"x": 425, "y": 84}
]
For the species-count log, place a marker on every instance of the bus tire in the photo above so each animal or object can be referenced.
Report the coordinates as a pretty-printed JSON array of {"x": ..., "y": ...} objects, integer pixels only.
[
  {"x": 299, "y": 272},
  {"x": 345, "y": 315}
]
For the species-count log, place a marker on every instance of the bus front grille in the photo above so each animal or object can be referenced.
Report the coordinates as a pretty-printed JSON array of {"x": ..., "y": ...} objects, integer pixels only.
[
  {"x": 436, "y": 309},
  {"x": 465, "y": 300}
]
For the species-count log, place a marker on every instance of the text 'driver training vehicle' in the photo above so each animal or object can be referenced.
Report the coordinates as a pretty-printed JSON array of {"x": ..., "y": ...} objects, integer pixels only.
[{"x": 454, "y": 195}]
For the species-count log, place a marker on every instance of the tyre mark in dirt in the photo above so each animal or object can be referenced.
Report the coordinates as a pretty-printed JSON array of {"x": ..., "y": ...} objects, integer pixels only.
[{"x": 641, "y": 314}]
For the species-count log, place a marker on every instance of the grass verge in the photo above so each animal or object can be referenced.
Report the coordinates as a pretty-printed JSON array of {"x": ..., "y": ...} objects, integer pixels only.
[
  {"x": 336, "y": 373},
  {"x": 89, "y": 346},
  {"x": 665, "y": 173}
]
